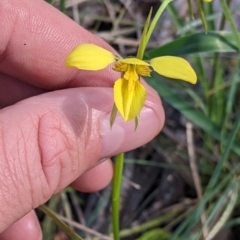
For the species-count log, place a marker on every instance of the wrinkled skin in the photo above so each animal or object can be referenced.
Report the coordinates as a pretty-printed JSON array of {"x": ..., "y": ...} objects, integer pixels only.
[{"x": 54, "y": 121}]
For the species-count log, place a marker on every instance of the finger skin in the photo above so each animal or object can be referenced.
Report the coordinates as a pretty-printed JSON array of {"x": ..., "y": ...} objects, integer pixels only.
[
  {"x": 28, "y": 226},
  {"x": 96, "y": 178},
  {"x": 25, "y": 228},
  {"x": 38, "y": 37},
  {"x": 48, "y": 141}
]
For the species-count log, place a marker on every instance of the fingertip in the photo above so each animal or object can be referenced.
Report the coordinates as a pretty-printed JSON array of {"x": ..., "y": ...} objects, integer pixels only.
[
  {"x": 96, "y": 178},
  {"x": 25, "y": 228}
]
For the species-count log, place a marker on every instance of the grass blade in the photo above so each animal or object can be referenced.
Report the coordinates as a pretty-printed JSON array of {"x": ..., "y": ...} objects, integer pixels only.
[
  {"x": 218, "y": 41},
  {"x": 225, "y": 154},
  {"x": 60, "y": 223}
]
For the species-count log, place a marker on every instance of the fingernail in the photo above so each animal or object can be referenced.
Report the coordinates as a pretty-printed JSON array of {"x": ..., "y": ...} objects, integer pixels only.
[{"x": 123, "y": 136}]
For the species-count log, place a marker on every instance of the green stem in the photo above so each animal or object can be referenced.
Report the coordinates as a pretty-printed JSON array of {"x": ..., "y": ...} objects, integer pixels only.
[
  {"x": 62, "y": 6},
  {"x": 208, "y": 8},
  {"x": 202, "y": 16},
  {"x": 116, "y": 190},
  {"x": 190, "y": 7},
  {"x": 60, "y": 223},
  {"x": 155, "y": 19}
]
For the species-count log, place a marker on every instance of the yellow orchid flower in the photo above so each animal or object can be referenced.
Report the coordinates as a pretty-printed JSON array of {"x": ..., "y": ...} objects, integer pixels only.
[{"x": 129, "y": 93}]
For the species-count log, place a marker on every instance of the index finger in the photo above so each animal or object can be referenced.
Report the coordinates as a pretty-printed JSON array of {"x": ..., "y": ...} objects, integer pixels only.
[{"x": 35, "y": 40}]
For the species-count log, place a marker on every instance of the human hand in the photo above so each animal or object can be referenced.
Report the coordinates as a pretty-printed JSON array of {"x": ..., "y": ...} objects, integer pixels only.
[{"x": 54, "y": 121}]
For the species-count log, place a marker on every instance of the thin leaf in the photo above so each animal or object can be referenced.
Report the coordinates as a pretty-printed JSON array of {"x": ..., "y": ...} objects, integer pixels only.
[
  {"x": 212, "y": 42},
  {"x": 156, "y": 18},
  {"x": 143, "y": 43},
  {"x": 229, "y": 18},
  {"x": 62, "y": 6},
  {"x": 60, "y": 223}
]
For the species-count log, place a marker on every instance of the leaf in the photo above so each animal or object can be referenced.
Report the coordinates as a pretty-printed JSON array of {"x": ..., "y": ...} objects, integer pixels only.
[
  {"x": 155, "y": 234},
  {"x": 212, "y": 42}
]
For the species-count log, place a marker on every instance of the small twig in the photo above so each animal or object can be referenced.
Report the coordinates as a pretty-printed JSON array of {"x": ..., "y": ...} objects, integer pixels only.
[
  {"x": 66, "y": 206},
  {"x": 193, "y": 166},
  {"x": 71, "y": 3},
  {"x": 84, "y": 228},
  {"x": 76, "y": 15},
  {"x": 131, "y": 183},
  {"x": 110, "y": 10},
  {"x": 170, "y": 134},
  {"x": 78, "y": 210}
]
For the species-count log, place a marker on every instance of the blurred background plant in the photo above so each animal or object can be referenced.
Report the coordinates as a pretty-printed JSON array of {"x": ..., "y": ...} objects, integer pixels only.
[{"x": 183, "y": 184}]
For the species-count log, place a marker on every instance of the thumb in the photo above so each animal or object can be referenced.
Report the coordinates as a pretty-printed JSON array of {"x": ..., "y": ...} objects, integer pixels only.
[{"x": 49, "y": 140}]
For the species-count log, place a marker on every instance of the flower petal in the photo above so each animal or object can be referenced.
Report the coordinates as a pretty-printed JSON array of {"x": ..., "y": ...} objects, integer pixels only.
[
  {"x": 174, "y": 67},
  {"x": 129, "y": 102},
  {"x": 89, "y": 57},
  {"x": 134, "y": 61}
]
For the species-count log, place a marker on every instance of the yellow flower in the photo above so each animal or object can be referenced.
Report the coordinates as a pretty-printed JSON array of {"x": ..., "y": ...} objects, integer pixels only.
[
  {"x": 207, "y": 0},
  {"x": 129, "y": 93}
]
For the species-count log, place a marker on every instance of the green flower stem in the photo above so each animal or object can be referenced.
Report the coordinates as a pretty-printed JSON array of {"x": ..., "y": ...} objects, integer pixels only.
[
  {"x": 60, "y": 223},
  {"x": 116, "y": 190}
]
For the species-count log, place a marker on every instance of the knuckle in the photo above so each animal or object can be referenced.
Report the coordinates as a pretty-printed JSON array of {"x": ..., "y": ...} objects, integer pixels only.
[{"x": 57, "y": 148}]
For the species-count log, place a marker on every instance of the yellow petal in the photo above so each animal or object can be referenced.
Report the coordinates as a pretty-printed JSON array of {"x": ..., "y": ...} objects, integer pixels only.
[
  {"x": 89, "y": 57},
  {"x": 174, "y": 67},
  {"x": 207, "y": 0},
  {"x": 129, "y": 103},
  {"x": 134, "y": 61}
]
